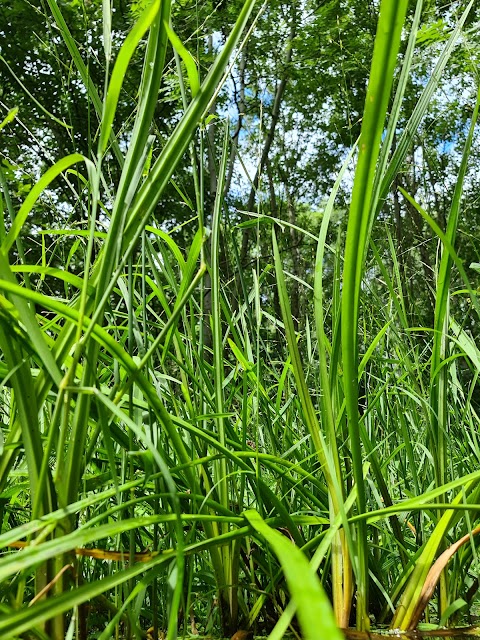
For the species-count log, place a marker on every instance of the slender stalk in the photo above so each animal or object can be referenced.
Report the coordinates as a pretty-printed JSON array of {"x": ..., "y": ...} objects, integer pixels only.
[{"x": 390, "y": 23}]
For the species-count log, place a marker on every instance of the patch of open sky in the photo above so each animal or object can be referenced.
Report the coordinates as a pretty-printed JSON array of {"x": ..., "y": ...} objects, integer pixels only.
[
  {"x": 37, "y": 67},
  {"x": 216, "y": 40}
]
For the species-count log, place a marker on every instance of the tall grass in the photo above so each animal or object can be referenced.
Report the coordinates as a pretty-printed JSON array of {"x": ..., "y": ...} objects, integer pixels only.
[{"x": 176, "y": 482}]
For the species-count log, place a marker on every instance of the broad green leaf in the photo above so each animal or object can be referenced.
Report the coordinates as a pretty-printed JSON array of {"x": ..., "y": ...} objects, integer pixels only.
[
  {"x": 118, "y": 74},
  {"x": 187, "y": 58},
  {"x": 11, "y": 115},
  {"x": 313, "y": 607}
]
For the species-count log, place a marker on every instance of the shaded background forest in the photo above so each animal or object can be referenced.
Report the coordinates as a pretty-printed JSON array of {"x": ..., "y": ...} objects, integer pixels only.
[{"x": 294, "y": 99}]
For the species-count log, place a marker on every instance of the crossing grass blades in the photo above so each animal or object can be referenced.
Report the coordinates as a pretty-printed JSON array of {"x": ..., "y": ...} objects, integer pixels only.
[{"x": 177, "y": 483}]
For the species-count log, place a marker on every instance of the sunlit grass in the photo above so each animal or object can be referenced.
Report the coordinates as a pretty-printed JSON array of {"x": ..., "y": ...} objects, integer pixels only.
[{"x": 172, "y": 468}]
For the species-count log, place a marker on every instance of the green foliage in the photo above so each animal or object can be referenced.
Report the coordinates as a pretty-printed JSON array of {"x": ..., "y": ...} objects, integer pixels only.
[{"x": 239, "y": 375}]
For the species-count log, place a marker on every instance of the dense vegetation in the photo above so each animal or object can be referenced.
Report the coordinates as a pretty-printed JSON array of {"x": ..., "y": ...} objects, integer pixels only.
[{"x": 239, "y": 317}]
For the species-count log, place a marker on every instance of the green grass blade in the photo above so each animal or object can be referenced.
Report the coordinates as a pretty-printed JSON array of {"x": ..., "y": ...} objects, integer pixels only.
[
  {"x": 404, "y": 617},
  {"x": 118, "y": 74},
  {"x": 313, "y": 608},
  {"x": 405, "y": 141},
  {"x": 36, "y": 192},
  {"x": 82, "y": 69},
  {"x": 187, "y": 58},
  {"x": 387, "y": 42},
  {"x": 439, "y": 382}
]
